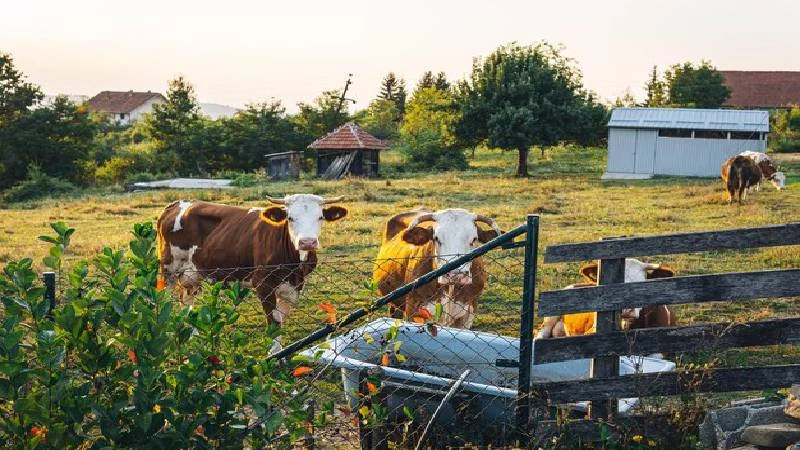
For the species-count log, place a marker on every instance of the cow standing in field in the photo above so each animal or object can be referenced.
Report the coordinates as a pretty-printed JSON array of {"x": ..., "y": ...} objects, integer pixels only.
[
  {"x": 651, "y": 316},
  {"x": 739, "y": 174},
  {"x": 768, "y": 170},
  {"x": 273, "y": 249},
  {"x": 420, "y": 241}
]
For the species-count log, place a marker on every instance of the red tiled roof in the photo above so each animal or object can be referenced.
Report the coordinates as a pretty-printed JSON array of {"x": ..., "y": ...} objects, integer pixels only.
[
  {"x": 348, "y": 137},
  {"x": 756, "y": 89},
  {"x": 120, "y": 102}
]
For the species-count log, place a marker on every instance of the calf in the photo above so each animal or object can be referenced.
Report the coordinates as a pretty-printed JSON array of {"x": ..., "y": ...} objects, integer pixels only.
[
  {"x": 418, "y": 242},
  {"x": 585, "y": 323}
]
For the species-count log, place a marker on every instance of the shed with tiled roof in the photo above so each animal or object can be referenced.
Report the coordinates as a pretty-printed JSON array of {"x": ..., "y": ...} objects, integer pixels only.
[{"x": 348, "y": 150}]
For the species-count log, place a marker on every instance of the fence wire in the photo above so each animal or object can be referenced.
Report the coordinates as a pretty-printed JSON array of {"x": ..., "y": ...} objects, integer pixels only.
[{"x": 380, "y": 380}]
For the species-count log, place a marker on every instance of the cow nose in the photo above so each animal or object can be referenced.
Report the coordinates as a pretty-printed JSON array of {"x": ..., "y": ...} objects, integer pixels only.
[{"x": 308, "y": 243}]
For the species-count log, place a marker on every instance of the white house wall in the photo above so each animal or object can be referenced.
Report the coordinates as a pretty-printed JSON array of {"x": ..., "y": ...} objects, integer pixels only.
[
  {"x": 645, "y": 151},
  {"x": 621, "y": 150},
  {"x": 145, "y": 108},
  {"x": 698, "y": 157}
]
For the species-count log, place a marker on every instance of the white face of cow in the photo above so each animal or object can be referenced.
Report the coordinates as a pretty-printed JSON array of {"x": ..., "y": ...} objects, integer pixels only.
[
  {"x": 635, "y": 270},
  {"x": 304, "y": 214},
  {"x": 778, "y": 180},
  {"x": 454, "y": 233}
]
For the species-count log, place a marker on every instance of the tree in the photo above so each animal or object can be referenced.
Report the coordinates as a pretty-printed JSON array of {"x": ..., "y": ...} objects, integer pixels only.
[
  {"x": 441, "y": 82},
  {"x": 381, "y": 118},
  {"x": 428, "y": 80},
  {"x": 696, "y": 87},
  {"x": 522, "y": 96},
  {"x": 427, "y": 132},
  {"x": 173, "y": 126},
  {"x": 655, "y": 90},
  {"x": 394, "y": 89},
  {"x": 321, "y": 116},
  {"x": 258, "y": 130},
  {"x": 16, "y": 94},
  {"x": 627, "y": 100}
]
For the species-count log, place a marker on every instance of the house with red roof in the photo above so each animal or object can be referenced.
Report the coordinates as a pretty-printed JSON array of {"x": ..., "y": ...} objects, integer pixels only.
[
  {"x": 751, "y": 89},
  {"x": 125, "y": 106}
]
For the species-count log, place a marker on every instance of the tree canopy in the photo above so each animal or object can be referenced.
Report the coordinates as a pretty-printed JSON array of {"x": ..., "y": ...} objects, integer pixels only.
[
  {"x": 700, "y": 87},
  {"x": 521, "y": 96}
]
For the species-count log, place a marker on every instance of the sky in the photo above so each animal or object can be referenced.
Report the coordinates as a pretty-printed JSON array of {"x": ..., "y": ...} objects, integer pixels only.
[{"x": 237, "y": 52}]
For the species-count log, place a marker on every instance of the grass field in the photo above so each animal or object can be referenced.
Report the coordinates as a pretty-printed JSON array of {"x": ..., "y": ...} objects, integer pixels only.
[{"x": 565, "y": 189}]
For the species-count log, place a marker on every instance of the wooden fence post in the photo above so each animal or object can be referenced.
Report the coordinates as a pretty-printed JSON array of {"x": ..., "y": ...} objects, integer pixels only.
[
  {"x": 610, "y": 271},
  {"x": 50, "y": 291}
]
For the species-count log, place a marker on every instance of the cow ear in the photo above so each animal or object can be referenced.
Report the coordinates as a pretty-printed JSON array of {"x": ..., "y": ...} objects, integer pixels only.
[
  {"x": 661, "y": 272},
  {"x": 333, "y": 213},
  {"x": 589, "y": 271},
  {"x": 418, "y": 235},
  {"x": 486, "y": 235},
  {"x": 274, "y": 215}
]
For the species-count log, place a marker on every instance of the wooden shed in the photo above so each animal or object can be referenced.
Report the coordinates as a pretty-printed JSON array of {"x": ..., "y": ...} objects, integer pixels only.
[
  {"x": 348, "y": 150},
  {"x": 283, "y": 166}
]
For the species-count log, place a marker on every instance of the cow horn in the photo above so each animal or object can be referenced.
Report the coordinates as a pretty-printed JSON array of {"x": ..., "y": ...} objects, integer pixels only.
[
  {"x": 277, "y": 201},
  {"x": 325, "y": 201},
  {"x": 488, "y": 221},
  {"x": 423, "y": 218}
]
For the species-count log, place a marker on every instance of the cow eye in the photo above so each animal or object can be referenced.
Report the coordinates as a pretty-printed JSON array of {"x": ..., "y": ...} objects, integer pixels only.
[
  {"x": 291, "y": 219},
  {"x": 436, "y": 239}
]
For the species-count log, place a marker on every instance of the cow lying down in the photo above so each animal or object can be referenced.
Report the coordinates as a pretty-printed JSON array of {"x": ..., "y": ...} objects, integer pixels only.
[{"x": 578, "y": 324}]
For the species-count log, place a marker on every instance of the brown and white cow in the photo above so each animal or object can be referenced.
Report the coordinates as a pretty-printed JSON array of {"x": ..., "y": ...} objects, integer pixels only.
[
  {"x": 578, "y": 324},
  {"x": 739, "y": 174},
  {"x": 273, "y": 249},
  {"x": 768, "y": 170},
  {"x": 418, "y": 242}
]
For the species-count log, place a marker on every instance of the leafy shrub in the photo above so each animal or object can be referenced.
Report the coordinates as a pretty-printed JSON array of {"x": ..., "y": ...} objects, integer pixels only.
[
  {"x": 118, "y": 364},
  {"x": 36, "y": 186},
  {"x": 426, "y": 152},
  {"x": 140, "y": 176},
  {"x": 245, "y": 180},
  {"x": 786, "y": 146}
]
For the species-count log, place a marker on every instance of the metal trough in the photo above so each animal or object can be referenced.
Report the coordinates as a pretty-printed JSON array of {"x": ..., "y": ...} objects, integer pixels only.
[{"x": 433, "y": 363}]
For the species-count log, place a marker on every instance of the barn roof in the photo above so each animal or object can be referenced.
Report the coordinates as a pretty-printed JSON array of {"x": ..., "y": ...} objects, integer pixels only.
[
  {"x": 118, "y": 102},
  {"x": 695, "y": 119},
  {"x": 761, "y": 89},
  {"x": 348, "y": 137}
]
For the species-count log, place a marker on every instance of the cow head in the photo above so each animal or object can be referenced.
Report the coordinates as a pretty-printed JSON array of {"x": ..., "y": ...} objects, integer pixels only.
[
  {"x": 635, "y": 270},
  {"x": 454, "y": 232},
  {"x": 304, "y": 214},
  {"x": 778, "y": 179}
]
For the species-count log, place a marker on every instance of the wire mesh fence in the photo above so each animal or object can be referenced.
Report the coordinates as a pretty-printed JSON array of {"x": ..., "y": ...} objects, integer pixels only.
[{"x": 380, "y": 379}]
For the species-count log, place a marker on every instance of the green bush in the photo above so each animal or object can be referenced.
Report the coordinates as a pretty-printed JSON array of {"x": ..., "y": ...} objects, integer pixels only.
[
  {"x": 786, "y": 146},
  {"x": 37, "y": 185},
  {"x": 119, "y": 364},
  {"x": 426, "y": 152},
  {"x": 245, "y": 180}
]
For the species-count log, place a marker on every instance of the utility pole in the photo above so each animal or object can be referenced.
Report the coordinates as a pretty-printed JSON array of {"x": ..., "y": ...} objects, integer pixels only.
[{"x": 342, "y": 98}]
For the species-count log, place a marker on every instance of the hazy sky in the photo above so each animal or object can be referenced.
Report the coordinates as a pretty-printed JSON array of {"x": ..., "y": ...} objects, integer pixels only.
[{"x": 236, "y": 52}]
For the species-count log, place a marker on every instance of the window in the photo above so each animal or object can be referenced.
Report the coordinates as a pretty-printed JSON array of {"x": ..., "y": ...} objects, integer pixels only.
[
  {"x": 675, "y": 133},
  {"x": 121, "y": 116},
  {"x": 710, "y": 134},
  {"x": 746, "y": 135}
]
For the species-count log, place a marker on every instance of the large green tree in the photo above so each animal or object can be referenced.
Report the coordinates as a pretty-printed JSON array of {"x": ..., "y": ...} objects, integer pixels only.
[
  {"x": 16, "y": 94},
  {"x": 427, "y": 133},
  {"x": 656, "y": 94},
  {"x": 693, "y": 86},
  {"x": 394, "y": 89},
  {"x": 174, "y": 125},
  {"x": 321, "y": 116},
  {"x": 521, "y": 96},
  {"x": 256, "y": 131},
  {"x": 381, "y": 118},
  {"x": 438, "y": 81}
]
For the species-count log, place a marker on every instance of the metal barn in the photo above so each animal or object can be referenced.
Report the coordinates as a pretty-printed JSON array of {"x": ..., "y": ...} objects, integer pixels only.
[{"x": 643, "y": 142}]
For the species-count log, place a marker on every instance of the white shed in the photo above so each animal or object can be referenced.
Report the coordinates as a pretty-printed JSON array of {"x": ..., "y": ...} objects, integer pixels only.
[{"x": 643, "y": 142}]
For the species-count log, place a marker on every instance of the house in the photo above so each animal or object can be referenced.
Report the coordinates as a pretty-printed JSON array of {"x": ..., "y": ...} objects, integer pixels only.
[
  {"x": 348, "y": 150},
  {"x": 643, "y": 142},
  {"x": 125, "y": 106},
  {"x": 762, "y": 89}
]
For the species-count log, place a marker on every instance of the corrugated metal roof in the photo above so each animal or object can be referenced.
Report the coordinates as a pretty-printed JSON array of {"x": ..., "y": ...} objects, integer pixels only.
[{"x": 695, "y": 119}]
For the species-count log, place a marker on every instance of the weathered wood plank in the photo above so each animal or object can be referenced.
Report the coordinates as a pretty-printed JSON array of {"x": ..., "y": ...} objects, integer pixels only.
[
  {"x": 668, "y": 244},
  {"x": 670, "y": 383},
  {"x": 672, "y": 291},
  {"x": 611, "y": 271},
  {"x": 695, "y": 338}
]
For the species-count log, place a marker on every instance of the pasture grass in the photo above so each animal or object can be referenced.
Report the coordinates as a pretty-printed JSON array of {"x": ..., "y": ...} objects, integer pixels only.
[{"x": 564, "y": 189}]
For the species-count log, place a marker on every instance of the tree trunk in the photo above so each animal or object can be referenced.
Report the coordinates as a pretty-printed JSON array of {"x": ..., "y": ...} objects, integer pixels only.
[{"x": 522, "y": 165}]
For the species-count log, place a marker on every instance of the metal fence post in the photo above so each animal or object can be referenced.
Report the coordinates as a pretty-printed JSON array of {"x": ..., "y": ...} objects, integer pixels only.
[
  {"x": 523, "y": 403},
  {"x": 50, "y": 291}
]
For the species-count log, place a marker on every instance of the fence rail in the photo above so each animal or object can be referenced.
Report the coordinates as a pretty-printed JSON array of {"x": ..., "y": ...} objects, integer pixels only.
[{"x": 612, "y": 294}]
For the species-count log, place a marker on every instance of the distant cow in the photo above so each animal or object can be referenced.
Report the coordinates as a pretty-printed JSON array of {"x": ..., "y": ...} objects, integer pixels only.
[
  {"x": 768, "y": 170},
  {"x": 273, "y": 248},
  {"x": 739, "y": 174},
  {"x": 578, "y": 324},
  {"x": 418, "y": 242}
]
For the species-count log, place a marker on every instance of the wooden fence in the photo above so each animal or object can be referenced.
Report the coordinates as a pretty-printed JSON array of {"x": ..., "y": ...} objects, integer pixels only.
[{"x": 612, "y": 295}]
